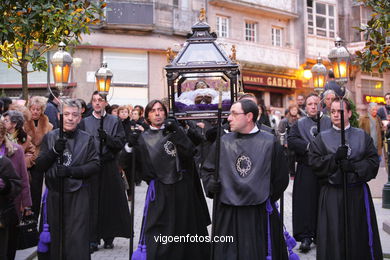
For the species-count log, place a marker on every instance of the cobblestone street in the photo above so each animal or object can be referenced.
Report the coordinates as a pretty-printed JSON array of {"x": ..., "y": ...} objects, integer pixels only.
[{"x": 121, "y": 249}]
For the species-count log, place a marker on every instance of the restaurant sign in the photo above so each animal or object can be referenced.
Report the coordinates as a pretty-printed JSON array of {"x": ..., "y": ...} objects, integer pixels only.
[
  {"x": 272, "y": 81},
  {"x": 375, "y": 99}
]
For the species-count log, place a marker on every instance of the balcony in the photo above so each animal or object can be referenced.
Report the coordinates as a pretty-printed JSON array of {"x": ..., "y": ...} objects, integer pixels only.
[
  {"x": 129, "y": 15},
  {"x": 183, "y": 20},
  {"x": 279, "y": 8},
  {"x": 263, "y": 54}
]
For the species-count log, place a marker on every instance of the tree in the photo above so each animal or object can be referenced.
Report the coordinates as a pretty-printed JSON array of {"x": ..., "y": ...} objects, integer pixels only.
[
  {"x": 376, "y": 53},
  {"x": 30, "y": 28}
]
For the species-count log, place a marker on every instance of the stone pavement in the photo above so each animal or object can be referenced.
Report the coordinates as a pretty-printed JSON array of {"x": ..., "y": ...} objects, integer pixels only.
[{"x": 121, "y": 249}]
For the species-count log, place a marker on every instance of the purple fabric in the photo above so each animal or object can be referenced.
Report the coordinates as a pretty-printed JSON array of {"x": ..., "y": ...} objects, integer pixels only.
[
  {"x": 44, "y": 237},
  {"x": 290, "y": 241},
  {"x": 2, "y": 150},
  {"x": 2, "y": 184},
  {"x": 180, "y": 107},
  {"x": 269, "y": 212},
  {"x": 24, "y": 198},
  {"x": 140, "y": 253},
  {"x": 368, "y": 215}
]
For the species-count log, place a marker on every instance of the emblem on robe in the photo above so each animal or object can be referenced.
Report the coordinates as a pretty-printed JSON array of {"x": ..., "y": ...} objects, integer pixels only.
[
  {"x": 349, "y": 150},
  {"x": 169, "y": 148},
  {"x": 67, "y": 158},
  {"x": 243, "y": 165},
  {"x": 313, "y": 130}
]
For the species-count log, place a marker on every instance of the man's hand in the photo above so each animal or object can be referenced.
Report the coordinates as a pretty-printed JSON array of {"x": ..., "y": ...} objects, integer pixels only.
[
  {"x": 214, "y": 186},
  {"x": 346, "y": 166},
  {"x": 102, "y": 134},
  {"x": 132, "y": 138},
  {"x": 341, "y": 153},
  {"x": 60, "y": 145},
  {"x": 171, "y": 125},
  {"x": 63, "y": 171}
]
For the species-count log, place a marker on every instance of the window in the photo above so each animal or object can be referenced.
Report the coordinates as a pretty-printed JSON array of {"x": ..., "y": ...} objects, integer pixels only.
[
  {"x": 127, "y": 67},
  {"x": 277, "y": 37},
  {"x": 320, "y": 19},
  {"x": 11, "y": 76},
  {"x": 276, "y": 99},
  {"x": 250, "y": 31},
  {"x": 222, "y": 26},
  {"x": 175, "y": 3},
  {"x": 372, "y": 87}
]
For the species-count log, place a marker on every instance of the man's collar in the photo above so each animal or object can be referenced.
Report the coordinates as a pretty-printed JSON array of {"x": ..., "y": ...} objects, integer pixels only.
[
  {"x": 94, "y": 114},
  {"x": 155, "y": 128},
  {"x": 254, "y": 130},
  {"x": 345, "y": 128}
]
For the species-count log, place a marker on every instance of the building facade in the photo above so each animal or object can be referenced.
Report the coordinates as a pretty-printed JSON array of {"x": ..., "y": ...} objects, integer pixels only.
[{"x": 275, "y": 41}]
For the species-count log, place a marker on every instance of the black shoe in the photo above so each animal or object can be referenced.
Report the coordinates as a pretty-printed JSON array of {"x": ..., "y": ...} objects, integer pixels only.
[
  {"x": 93, "y": 248},
  {"x": 108, "y": 246},
  {"x": 305, "y": 245}
]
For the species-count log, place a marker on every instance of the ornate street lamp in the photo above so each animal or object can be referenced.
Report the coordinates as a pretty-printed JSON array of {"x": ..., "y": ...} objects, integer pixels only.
[
  {"x": 61, "y": 62},
  {"x": 103, "y": 79},
  {"x": 340, "y": 59},
  {"x": 319, "y": 72}
]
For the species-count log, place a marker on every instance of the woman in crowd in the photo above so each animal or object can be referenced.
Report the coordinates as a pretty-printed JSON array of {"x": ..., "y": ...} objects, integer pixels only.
[
  {"x": 37, "y": 127},
  {"x": 14, "y": 121},
  {"x": 22, "y": 202},
  {"x": 283, "y": 130},
  {"x": 10, "y": 187},
  {"x": 138, "y": 120}
]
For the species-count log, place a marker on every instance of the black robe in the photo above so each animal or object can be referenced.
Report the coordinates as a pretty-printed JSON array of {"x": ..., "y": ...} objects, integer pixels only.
[
  {"x": 365, "y": 161},
  {"x": 253, "y": 169},
  {"x": 306, "y": 186},
  {"x": 80, "y": 154},
  {"x": 179, "y": 207},
  {"x": 110, "y": 214}
]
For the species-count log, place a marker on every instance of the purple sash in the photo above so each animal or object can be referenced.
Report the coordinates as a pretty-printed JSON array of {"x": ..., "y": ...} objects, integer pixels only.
[
  {"x": 44, "y": 237},
  {"x": 368, "y": 215},
  {"x": 140, "y": 253}
]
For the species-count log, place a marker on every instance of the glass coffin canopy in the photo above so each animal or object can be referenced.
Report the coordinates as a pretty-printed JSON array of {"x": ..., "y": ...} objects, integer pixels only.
[
  {"x": 198, "y": 97},
  {"x": 201, "y": 53}
]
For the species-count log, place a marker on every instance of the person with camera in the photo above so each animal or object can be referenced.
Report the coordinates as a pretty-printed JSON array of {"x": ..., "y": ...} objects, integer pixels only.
[
  {"x": 306, "y": 187},
  {"x": 10, "y": 188},
  {"x": 110, "y": 214},
  {"x": 79, "y": 162},
  {"x": 178, "y": 207},
  {"x": 359, "y": 160}
]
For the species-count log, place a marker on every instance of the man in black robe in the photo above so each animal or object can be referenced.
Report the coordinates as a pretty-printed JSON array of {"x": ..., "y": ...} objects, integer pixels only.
[
  {"x": 179, "y": 207},
  {"x": 253, "y": 174},
  {"x": 306, "y": 187},
  {"x": 80, "y": 161},
  {"x": 110, "y": 215},
  {"x": 359, "y": 160}
]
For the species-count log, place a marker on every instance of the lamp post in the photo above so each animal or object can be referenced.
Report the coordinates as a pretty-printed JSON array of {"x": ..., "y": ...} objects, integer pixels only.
[
  {"x": 340, "y": 61},
  {"x": 61, "y": 63},
  {"x": 103, "y": 83},
  {"x": 319, "y": 72}
]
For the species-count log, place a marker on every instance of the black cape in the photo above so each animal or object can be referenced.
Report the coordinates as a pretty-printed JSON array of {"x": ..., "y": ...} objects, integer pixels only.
[
  {"x": 110, "y": 214},
  {"x": 179, "y": 208},
  {"x": 365, "y": 161},
  {"x": 247, "y": 223},
  {"x": 81, "y": 155},
  {"x": 306, "y": 186}
]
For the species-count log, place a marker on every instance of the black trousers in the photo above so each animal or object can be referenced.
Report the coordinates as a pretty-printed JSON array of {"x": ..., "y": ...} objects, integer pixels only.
[{"x": 36, "y": 190}]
